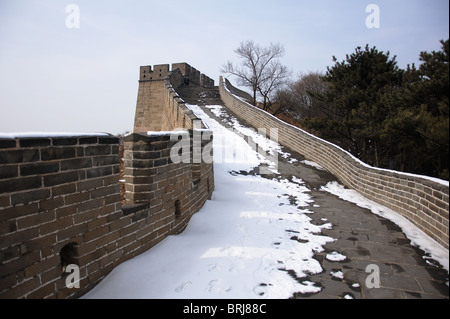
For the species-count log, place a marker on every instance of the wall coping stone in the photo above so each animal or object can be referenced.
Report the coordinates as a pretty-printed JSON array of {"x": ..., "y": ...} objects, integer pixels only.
[{"x": 357, "y": 160}]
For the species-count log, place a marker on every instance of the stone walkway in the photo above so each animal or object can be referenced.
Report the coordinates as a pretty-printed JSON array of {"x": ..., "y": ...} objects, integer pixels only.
[{"x": 365, "y": 239}]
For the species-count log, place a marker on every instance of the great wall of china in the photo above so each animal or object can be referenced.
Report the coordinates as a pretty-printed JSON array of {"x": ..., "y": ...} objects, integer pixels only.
[{"x": 60, "y": 199}]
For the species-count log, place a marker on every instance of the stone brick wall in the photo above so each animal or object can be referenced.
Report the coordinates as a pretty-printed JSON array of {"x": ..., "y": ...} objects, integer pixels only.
[
  {"x": 171, "y": 190},
  {"x": 55, "y": 193},
  {"x": 422, "y": 200},
  {"x": 176, "y": 114},
  {"x": 159, "y": 72},
  {"x": 150, "y": 113},
  {"x": 195, "y": 76},
  {"x": 60, "y": 204},
  {"x": 159, "y": 108}
]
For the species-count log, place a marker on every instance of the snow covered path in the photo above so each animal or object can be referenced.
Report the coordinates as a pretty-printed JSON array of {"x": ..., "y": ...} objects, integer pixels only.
[
  {"x": 256, "y": 238},
  {"x": 237, "y": 246}
]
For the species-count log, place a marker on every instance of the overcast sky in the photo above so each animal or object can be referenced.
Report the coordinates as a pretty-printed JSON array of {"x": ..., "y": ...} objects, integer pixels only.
[{"x": 56, "y": 78}]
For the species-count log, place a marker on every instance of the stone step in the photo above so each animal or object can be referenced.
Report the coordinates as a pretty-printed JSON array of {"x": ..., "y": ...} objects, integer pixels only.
[{"x": 195, "y": 94}]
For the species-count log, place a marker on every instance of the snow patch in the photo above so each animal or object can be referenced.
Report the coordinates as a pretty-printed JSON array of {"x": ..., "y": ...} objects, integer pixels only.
[
  {"x": 313, "y": 164},
  {"x": 337, "y": 274},
  {"x": 48, "y": 134},
  {"x": 412, "y": 232},
  {"x": 240, "y": 245},
  {"x": 335, "y": 256},
  {"x": 158, "y": 133}
]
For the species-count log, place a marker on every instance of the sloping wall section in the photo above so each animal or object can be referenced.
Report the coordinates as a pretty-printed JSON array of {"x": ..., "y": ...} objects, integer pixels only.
[
  {"x": 60, "y": 199},
  {"x": 422, "y": 200},
  {"x": 159, "y": 108}
]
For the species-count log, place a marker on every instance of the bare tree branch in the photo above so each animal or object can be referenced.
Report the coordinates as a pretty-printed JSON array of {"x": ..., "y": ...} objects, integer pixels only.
[{"x": 259, "y": 70}]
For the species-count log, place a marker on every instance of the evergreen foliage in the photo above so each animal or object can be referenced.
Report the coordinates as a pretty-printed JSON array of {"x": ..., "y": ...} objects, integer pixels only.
[{"x": 386, "y": 116}]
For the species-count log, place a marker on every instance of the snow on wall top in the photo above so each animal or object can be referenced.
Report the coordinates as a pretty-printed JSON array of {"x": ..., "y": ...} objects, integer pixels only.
[{"x": 48, "y": 134}]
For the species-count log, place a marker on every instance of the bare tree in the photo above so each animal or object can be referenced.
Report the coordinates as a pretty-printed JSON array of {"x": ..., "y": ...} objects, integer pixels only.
[
  {"x": 276, "y": 75},
  {"x": 304, "y": 92},
  {"x": 259, "y": 69},
  {"x": 299, "y": 98},
  {"x": 284, "y": 102}
]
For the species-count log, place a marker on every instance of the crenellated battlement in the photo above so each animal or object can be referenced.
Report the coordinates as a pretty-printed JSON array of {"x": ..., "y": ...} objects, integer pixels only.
[
  {"x": 159, "y": 72},
  {"x": 158, "y": 107},
  {"x": 162, "y": 71}
]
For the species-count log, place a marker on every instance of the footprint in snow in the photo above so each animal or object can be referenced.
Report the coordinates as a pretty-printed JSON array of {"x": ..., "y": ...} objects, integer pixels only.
[
  {"x": 261, "y": 289},
  {"x": 218, "y": 286},
  {"x": 181, "y": 287},
  {"x": 214, "y": 267}
]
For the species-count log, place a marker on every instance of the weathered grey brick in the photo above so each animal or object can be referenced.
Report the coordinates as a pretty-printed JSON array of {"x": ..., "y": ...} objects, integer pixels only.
[
  {"x": 108, "y": 140},
  {"x": 97, "y": 150},
  {"x": 7, "y": 143},
  {"x": 34, "y": 142},
  {"x": 56, "y": 153},
  {"x": 106, "y": 160},
  {"x": 60, "y": 178},
  {"x": 39, "y": 168},
  {"x": 99, "y": 171},
  {"x": 76, "y": 163},
  {"x": 8, "y": 171},
  {"x": 19, "y": 156},
  {"x": 20, "y": 184},
  {"x": 30, "y": 196},
  {"x": 64, "y": 141},
  {"x": 88, "y": 140}
]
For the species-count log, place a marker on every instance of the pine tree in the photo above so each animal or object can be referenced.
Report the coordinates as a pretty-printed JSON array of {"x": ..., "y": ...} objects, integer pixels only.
[
  {"x": 417, "y": 132},
  {"x": 356, "y": 87}
]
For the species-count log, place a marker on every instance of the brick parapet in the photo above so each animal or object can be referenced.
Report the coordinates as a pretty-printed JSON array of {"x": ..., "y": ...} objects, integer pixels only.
[
  {"x": 63, "y": 192},
  {"x": 422, "y": 200},
  {"x": 55, "y": 191},
  {"x": 162, "y": 171},
  {"x": 158, "y": 106}
]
